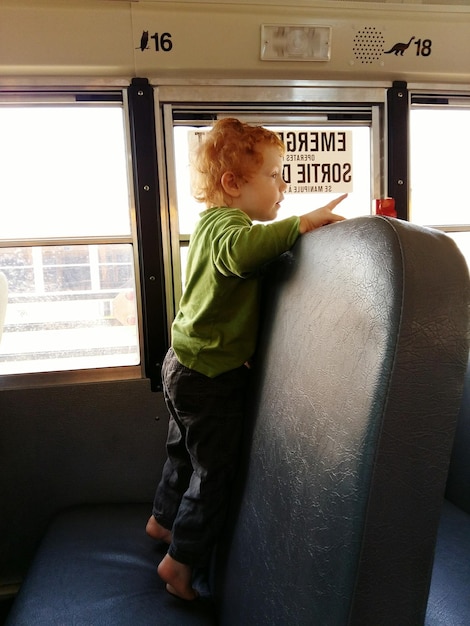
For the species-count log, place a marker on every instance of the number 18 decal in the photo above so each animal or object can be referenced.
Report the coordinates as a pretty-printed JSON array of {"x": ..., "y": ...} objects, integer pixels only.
[{"x": 423, "y": 47}]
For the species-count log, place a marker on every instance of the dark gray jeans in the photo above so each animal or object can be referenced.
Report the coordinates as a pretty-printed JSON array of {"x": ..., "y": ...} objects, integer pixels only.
[{"x": 203, "y": 444}]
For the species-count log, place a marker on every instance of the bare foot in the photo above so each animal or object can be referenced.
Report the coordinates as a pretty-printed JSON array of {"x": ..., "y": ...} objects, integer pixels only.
[
  {"x": 178, "y": 578},
  {"x": 156, "y": 531}
]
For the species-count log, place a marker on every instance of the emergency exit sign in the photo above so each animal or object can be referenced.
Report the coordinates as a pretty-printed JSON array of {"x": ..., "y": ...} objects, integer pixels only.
[{"x": 318, "y": 161}]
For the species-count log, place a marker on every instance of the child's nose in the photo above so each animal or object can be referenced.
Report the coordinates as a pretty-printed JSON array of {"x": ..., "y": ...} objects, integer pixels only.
[{"x": 283, "y": 185}]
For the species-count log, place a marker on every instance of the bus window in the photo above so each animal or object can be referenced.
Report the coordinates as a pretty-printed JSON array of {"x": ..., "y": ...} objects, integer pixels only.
[
  {"x": 67, "y": 248},
  {"x": 349, "y": 172},
  {"x": 439, "y": 136}
]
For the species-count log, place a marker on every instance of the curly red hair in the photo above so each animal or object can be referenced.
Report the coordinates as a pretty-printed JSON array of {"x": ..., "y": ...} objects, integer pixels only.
[{"x": 230, "y": 146}]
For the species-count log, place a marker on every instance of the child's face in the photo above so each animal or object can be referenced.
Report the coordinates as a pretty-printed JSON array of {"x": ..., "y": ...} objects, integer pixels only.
[{"x": 261, "y": 196}]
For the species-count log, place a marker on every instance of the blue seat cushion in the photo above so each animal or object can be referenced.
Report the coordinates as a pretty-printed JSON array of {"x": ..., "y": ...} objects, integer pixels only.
[
  {"x": 449, "y": 598},
  {"x": 96, "y": 566}
]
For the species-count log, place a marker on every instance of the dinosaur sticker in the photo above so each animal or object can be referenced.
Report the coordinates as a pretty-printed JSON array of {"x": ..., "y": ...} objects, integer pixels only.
[{"x": 399, "y": 48}]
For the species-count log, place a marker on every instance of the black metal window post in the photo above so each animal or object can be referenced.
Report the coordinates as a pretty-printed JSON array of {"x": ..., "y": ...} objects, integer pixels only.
[
  {"x": 149, "y": 230},
  {"x": 398, "y": 142}
]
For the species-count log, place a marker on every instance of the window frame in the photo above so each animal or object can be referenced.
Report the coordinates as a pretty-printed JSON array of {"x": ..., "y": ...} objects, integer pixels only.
[
  {"x": 430, "y": 99},
  {"x": 299, "y": 99},
  {"x": 81, "y": 96},
  {"x": 448, "y": 98}
]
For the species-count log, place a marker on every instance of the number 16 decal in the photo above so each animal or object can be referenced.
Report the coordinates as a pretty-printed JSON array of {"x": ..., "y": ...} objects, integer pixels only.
[{"x": 162, "y": 42}]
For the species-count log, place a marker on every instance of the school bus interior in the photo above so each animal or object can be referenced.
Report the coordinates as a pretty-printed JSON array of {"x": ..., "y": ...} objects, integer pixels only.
[{"x": 352, "y": 505}]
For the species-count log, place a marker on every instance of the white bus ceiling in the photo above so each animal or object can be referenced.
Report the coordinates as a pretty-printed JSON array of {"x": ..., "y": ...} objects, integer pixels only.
[{"x": 106, "y": 39}]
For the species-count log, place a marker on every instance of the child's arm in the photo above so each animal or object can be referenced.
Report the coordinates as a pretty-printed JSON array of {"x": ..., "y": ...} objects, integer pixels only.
[{"x": 321, "y": 216}]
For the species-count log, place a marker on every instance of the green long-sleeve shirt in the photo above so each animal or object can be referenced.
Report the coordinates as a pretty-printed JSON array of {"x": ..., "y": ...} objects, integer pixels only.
[{"x": 216, "y": 326}]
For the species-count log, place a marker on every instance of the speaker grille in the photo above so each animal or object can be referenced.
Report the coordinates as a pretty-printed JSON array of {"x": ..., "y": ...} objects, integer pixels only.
[{"x": 368, "y": 44}]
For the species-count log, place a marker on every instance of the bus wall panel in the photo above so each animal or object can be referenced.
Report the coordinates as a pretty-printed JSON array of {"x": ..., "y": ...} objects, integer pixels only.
[{"x": 69, "y": 445}]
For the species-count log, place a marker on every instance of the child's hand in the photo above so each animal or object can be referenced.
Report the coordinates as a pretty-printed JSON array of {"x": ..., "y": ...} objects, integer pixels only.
[{"x": 321, "y": 217}]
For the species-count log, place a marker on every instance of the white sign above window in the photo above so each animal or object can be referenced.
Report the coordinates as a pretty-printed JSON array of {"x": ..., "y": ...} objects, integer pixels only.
[{"x": 295, "y": 43}]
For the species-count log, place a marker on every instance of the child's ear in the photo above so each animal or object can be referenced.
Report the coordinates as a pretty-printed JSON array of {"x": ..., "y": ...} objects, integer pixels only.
[{"x": 230, "y": 184}]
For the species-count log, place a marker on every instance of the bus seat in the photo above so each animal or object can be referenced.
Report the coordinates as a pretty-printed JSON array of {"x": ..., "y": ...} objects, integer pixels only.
[
  {"x": 97, "y": 567},
  {"x": 449, "y": 598},
  {"x": 361, "y": 375},
  {"x": 356, "y": 390},
  {"x": 458, "y": 482}
]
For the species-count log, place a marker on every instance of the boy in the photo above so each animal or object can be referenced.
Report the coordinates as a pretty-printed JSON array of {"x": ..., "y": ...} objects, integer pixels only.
[{"x": 214, "y": 335}]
